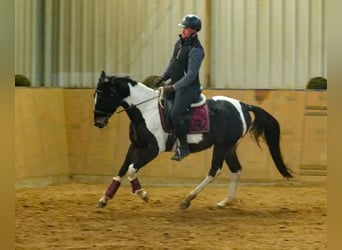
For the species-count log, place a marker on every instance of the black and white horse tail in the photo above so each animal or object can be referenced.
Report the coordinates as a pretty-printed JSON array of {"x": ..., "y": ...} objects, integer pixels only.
[{"x": 265, "y": 125}]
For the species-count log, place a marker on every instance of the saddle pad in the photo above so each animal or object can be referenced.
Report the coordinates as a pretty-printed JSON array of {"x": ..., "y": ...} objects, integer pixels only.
[{"x": 200, "y": 121}]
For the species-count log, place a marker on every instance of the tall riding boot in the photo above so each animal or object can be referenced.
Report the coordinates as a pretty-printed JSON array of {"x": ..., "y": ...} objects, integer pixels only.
[{"x": 183, "y": 150}]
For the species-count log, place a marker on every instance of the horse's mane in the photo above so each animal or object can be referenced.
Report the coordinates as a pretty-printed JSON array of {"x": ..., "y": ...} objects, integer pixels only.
[{"x": 125, "y": 78}]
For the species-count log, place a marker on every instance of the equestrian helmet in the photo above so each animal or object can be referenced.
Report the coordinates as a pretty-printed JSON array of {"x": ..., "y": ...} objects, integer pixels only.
[{"x": 191, "y": 21}]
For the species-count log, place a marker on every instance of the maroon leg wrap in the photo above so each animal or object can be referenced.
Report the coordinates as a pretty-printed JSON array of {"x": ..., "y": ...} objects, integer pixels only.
[
  {"x": 135, "y": 185},
  {"x": 111, "y": 190}
]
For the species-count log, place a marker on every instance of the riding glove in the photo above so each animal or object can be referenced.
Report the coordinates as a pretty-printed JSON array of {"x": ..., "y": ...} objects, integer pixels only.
[
  {"x": 158, "y": 81},
  {"x": 168, "y": 89}
]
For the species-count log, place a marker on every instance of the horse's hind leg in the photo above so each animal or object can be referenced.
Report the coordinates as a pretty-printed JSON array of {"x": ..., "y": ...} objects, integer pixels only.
[
  {"x": 215, "y": 170},
  {"x": 193, "y": 194},
  {"x": 228, "y": 200},
  {"x": 235, "y": 167}
]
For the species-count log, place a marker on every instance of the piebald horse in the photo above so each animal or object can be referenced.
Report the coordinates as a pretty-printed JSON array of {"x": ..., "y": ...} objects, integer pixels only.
[{"x": 229, "y": 118}]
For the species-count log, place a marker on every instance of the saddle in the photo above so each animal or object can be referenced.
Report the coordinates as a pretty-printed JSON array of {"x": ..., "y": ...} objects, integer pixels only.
[{"x": 198, "y": 115}]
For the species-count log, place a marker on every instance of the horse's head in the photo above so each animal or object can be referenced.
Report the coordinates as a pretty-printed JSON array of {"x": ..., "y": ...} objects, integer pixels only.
[{"x": 109, "y": 94}]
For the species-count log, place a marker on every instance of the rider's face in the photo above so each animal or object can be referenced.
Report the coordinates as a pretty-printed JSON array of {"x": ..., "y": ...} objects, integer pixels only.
[{"x": 187, "y": 32}]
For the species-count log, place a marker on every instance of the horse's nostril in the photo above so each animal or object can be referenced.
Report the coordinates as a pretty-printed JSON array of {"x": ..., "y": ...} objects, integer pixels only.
[{"x": 99, "y": 125}]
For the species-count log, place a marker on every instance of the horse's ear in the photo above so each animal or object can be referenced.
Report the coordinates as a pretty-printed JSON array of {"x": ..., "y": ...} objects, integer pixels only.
[{"x": 103, "y": 75}]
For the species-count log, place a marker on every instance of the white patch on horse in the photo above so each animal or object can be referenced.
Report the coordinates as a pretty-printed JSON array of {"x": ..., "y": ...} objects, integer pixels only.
[
  {"x": 140, "y": 93},
  {"x": 195, "y": 138},
  {"x": 237, "y": 105},
  {"x": 95, "y": 98}
]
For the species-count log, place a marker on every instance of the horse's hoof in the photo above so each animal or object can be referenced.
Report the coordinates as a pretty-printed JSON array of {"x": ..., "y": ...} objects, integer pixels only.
[
  {"x": 220, "y": 205},
  {"x": 102, "y": 202},
  {"x": 224, "y": 203},
  {"x": 146, "y": 198},
  {"x": 185, "y": 204},
  {"x": 143, "y": 195}
]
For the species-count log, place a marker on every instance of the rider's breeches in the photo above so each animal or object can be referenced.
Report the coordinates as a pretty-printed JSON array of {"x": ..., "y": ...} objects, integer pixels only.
[{"x": 180, "y": 111}]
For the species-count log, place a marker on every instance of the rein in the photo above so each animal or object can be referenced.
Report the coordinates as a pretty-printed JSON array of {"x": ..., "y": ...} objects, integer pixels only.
[{"x": 135, "y": 105}]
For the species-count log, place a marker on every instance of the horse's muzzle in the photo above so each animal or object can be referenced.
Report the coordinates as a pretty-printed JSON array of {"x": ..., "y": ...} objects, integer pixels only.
[{"x": 101, "y": 122}]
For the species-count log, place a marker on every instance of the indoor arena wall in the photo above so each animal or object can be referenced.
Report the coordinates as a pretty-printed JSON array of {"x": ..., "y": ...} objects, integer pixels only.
[{"x": 56, "y": 141}]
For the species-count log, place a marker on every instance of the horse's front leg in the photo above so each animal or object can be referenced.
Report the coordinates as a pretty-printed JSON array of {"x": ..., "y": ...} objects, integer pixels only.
[
  {"x": 109, "y": 193},
  {"x": 135, "y": 183},
  {"x": 116, "y": 182},
  {"x": 141, "y": 158}
]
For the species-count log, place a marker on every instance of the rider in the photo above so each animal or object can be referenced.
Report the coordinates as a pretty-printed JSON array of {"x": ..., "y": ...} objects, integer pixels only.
[{"x": 183, "y": 70}]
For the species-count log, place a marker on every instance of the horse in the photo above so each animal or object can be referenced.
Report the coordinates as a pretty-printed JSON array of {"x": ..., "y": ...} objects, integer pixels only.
[{"x": 230, "y": 120}]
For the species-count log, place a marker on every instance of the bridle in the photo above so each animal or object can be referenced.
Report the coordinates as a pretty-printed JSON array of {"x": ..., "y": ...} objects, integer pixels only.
[{"x": 105, "y": 113}]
